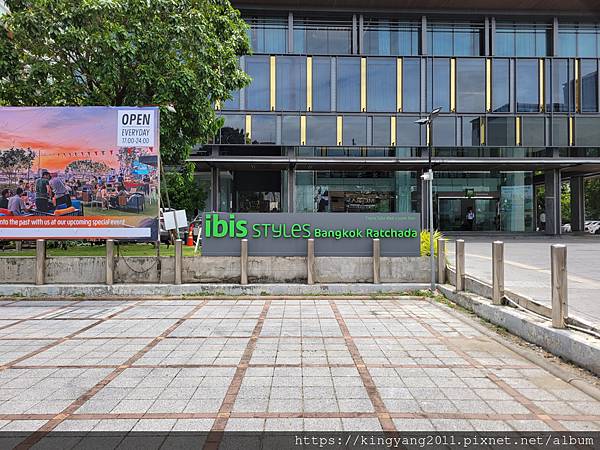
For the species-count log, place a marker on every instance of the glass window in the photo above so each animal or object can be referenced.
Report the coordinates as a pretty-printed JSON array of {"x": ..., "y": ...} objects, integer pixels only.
[
  {"x": 321, "y": 130},
  {"x": 264, "y": 129},
  {"x": 578, "y": 40},
  {"x": 563, "y": 85},
  {"x": 387, "y": 37},
  {"x": 521, "y": 39},
  {"x": 411, "y": 84},
  {"x": 438, "y": 84},
  {"x": 560, "y": 131},
  {"x": 348, "y": 84},
  {"x": 471, "y": 130},
  {"x": 322, "y": 37},
  {"x": 444, "y": 132},
  {"x": 470, "y": 85},
  {"x": 533, "y": 132},
  {"x": 589, "y": 85},
  {"x": 587, "y": 131},
  {"x": 454, "y": 39},
  {"x": 408, "y": 133},
  {"x": 267, "y": 34},
  {"x": 527, "y": 80},
  {"x": 500, "y": 85},
  {"x": 257, "y": 92},
  {"x": 381, "y": 131},
  {"x": 233, "y": 130},
  {"x": 381, "y": 84},
  {"x": 354, "y": 130},
  {"x": 321, "y": 83},
  {"x": 291, "y": 83},
  {"x": 501, "y": 131},
  {"x": 233, "y": 102},
  {"x": 290, "y": 130}
]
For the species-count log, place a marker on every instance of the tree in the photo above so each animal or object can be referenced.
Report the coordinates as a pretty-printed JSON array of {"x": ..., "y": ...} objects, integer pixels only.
[
  {"x": 15, "y": 162},
  {"x": 128, "y": 53},
  {"x": 592, "y": 198},
  {"x": 86, "y": 168}
]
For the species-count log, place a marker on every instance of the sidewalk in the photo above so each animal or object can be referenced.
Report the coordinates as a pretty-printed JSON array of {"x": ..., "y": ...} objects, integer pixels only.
[{"x": 266, "y": 364}]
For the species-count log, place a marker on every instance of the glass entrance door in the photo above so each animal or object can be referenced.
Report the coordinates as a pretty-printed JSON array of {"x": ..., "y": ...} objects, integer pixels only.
[{"x": 452, "y": 213}]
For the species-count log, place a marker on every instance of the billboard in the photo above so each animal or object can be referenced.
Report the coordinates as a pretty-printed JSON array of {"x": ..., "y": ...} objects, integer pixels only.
[
  {"x": 335, "y": 234},
  {"x": 79, "y": 173}
]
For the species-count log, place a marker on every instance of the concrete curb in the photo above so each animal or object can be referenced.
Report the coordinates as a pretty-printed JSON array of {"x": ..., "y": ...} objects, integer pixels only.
[
  {"x": 185, "y": 290},
  {"x": 579, "y": 348}
]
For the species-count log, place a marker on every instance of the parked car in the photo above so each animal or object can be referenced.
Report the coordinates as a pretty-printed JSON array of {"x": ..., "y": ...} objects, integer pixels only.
[
  {"x": 566, "y": 228},
  {"x": 592, "y": 226}
]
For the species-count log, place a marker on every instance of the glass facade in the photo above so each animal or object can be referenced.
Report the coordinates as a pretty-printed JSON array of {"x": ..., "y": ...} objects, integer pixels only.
[
  {"x": 315, "y": 37},
  {"x": 455, "y": 39},
  {"x": 582, "y": 40},
  {"x": 267, "y": 34},
  {"x": 521, "y": 39},
  {"x": 291, "y": 83},
  {"x": 387, "y": 37},
  {"x": 348, "y": 84},
  {"x": 470, "y": 85},
  {"x": 381, "y": 84}
]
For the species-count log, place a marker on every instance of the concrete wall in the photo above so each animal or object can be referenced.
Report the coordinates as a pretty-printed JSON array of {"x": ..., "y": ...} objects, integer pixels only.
[{"x": 213, "y": 269}]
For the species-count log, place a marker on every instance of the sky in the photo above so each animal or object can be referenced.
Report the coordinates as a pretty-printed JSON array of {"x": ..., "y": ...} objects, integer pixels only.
[{"x": 61, "y": 135}]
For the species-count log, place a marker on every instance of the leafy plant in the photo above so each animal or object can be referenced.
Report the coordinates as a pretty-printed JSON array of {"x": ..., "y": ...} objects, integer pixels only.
[{"x": 425, "y": 244}]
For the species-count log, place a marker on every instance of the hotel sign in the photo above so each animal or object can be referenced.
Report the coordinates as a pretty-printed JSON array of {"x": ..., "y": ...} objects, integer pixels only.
[{"x": 335, "y": 234}]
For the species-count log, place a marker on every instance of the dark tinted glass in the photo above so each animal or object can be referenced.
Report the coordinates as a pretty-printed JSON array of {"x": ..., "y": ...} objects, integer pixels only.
[
  {"x": 563, "y": 85},
  {"x": 381, "y": 131},
  {"x": 560, "y": 131},
  {"x": 587, "y": 131},
  {"x": 500, "y": 85},
  {"x": 354, "y": 130},
  {"x": 387, "y": 37},
  {"x": 533, "y": 132},
  {"x": 470, "y": 85},
  {"x": 257, "y": 93},
  {"x": 268, "y": 34},
  {"x": 291, "y": 83},
  {"x": 589, "y": 85},
  {"x": 264, "y": 129},
  {"x": 501, "y": 131},
  {"x": 321, "y": 83},
  {"x": 444, "y": 131},
  {"x": 321, "y": 130},
  {"x": 527, "y": 80},
  {"x": 408, "y": 133},
  {"x": 471, "y": 131},
  {"x": 381, "y": 84},
  {"x": 411, "y": 84},
  {"x": 438, "y": 84},
  {"x": 290, "y": 130},
  {"x": 348, "y": 84},
  {"x": 233, "y": 130}
]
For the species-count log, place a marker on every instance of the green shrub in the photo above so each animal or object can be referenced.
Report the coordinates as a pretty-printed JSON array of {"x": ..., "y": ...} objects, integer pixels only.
[{"x": 425, "y": 242}]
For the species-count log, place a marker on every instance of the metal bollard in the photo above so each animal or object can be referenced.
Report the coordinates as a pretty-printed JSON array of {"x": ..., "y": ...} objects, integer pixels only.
[
  {"x": 460, "y": 265},
  {"x": 376, "y": 261},
  {"x": 442, "y": 261},
  {"x": 497, "y": 272},
  {"x": 178, "y": 260},
  {"x": 110, "y": 261},
  {"x": 40, "y": 261},
  {"x": 244, "y": 262},
  {"x": 310, "y": 261},
  {"x": 558, "y": 255}
]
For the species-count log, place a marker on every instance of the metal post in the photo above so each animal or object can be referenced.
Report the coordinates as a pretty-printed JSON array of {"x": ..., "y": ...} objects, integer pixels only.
[
  {"x": 431, "y": 231},
  {"x": 497, "y": 272},
  {"x": 558, "y": 255},
  {"x": 19, "y": 245},
  {"x": 110, "y": 261},
  {"x": 376, "y": 261},
  {"x": 460, "y": 265},
  {"x": 178, "y": 260},
  {"x": 441, "y": 261},
  {"x": 244, "y": 262},
  {"x": 40, "y": 261},
  {"x": 310, "y": 261}
]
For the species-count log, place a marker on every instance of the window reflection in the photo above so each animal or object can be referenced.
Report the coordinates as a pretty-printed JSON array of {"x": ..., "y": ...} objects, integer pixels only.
[
  {"x": 233, "y": 129},
  {"x": 560, "y": 131},
  {"x": 527, "y": 79},
  {"x": 501, "y": 131},
  {"x": 348, "y": 84},
  {"x": 291, "y": 83},
  {"x": 290, "y": 130},
  {"x": 264, "y": 129},
  {"x": 444, "y": 131},
  {"x": 587, "y": 131},
  {"x": 438, "y": 84},
  {"x": 533, "y": 131},
  {"x": 578, "y": 40},
  {"x": 521, "y": 39},
  {"x": 257, "y": 92},
  {"x": 471, "y": 131},
  {"x": 391, "y": 37},
  {"x": 500, "y": 85},
  {"x": 411, "y": 85},
  {"x": 408, "y": 133},
  {"x": 589, "y": 85},
  {"x": 470, "y": 85},
  {"x": 321, "y": 130},
  {"x": 267, "y": 34},
  {"x": 563, "y": 85},
  {"x": 381, "y": 131},
  {"x": 354, "y": 130},
  {"x": 312, "y": 36},
  {"x": 455, "y": 39},
  {"x": 381, "y": 84},
  {"x": 321, "y": 82}
]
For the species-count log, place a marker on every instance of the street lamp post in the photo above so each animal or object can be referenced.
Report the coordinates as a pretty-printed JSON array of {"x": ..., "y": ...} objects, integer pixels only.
[{"x": 428, "y": 121}]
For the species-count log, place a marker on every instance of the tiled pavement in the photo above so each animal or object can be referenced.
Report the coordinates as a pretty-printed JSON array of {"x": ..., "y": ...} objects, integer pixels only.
[{"x": 269, "y": 364}]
